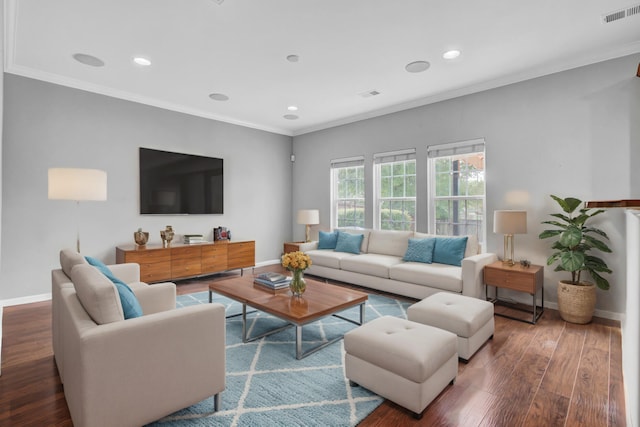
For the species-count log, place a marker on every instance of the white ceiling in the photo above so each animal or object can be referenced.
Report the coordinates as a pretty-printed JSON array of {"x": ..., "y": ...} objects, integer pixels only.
[{"x": 346, "y": 47}]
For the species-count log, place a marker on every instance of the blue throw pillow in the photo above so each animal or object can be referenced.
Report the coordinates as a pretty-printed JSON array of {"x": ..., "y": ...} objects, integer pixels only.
[
  {"x": 348, "y": 242},
  {"x": 130, "y": 304},
  {"x": 327, "y": 240},
  {"x": 450, "y": 250},
  {"x": 420, "y": 250}
]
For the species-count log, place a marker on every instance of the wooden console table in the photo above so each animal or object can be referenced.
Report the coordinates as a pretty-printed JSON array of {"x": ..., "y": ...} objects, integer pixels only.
[
  {"x": 517, "y": 278},
  {"x": 180, "y": 261}
]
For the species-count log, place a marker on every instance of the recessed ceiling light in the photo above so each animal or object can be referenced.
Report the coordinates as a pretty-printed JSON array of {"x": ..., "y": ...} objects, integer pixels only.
[
  {"x": 142, "y": 61},
  {"x": 218, "y": 97},
  {"x": 417, "y": 66},
  {"x": 292, "y": 108},
  {"x": 290, "y": 117},
  {"x": 91, "y": 60},
  {"x": 293, "y": 58},
  {"x": 451, "y": 54}
]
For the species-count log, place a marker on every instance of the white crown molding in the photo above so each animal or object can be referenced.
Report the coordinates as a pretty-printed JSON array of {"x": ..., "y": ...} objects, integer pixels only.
[{"x": 533, "y": 73}]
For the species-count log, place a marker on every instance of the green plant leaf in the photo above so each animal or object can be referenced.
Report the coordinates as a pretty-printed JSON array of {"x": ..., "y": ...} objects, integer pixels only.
[
  {"x": 569, "y": 204},
  {"x": 595, "y": 243},
  {"x": 601, "y": 282},
  {"x": 595, "y": 230},
  {"x": 572, "y": 261},
  {"x": 549, "y": 233},
  {"x": 562, "y": 217},
  {"x": 596, "y": 264},
  {"x": 571, "y": 237}
]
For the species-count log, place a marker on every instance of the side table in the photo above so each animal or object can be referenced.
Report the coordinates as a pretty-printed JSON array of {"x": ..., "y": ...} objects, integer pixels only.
[
  {"x": 517, "y": 278},
  {"x": 291, "y": 247}
]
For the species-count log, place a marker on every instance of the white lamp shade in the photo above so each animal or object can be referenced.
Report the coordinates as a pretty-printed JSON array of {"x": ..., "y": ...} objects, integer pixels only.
[
  {"x": 308, "y": 216},
  {"x": 510, "y": 222},
  {"x": 77, "y": 184}
]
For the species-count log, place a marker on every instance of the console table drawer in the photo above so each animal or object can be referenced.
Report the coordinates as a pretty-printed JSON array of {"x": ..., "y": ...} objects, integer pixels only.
[
  {"x": 185, "y": 252},
  {"x": 155, "y": 272},
  {"x": 185, "y": 267},
  {"x": 523, "y": 281}
]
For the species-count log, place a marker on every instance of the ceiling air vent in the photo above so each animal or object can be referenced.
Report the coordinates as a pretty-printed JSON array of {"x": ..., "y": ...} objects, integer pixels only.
[
  {"x": 623, "y": 13},
  {"x": 369, "y": 93}
]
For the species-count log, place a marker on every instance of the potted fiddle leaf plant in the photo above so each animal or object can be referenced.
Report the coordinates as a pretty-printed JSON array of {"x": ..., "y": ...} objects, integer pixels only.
[{"x": 575, "y": 239}]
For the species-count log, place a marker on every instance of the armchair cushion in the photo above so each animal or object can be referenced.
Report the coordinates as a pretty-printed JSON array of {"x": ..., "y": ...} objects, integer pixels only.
[
  {"x": 97, "y": 294},
  {"x": 130, "y": 305},
  {"x": 69, "y": 259}
]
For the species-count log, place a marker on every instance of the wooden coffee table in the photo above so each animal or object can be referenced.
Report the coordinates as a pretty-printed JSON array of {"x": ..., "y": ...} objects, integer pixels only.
[{"x": 319, "y": 300}]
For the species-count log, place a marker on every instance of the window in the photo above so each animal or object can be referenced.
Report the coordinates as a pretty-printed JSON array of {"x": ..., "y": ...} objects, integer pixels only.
[
  {"x": 457, "y": 189},
  {"x": 395, "y": 190},
  {"x": 347, "y": 192}
]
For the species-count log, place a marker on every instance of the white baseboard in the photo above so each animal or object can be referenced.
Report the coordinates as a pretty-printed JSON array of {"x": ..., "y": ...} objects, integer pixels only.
[{"x": 25, "y": 300}]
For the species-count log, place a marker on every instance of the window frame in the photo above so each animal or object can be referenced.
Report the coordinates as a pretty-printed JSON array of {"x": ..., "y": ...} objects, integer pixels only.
[
  {"x": 462, "y": 148},
  {"x": 336, "y": 165},
  {"x": 390, "y": 158}
]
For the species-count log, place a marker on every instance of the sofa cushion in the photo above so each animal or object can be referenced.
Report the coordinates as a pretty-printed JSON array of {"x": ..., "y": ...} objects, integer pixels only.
[
  {"x": 472, "y": 242},
  {"x": 327, "y": 240},
  {"x": 420, "y": 250},
  {"x": 328, "y": 258},
  {"x": 387, "y": 242},
  {"x": 450, "y": 250},
  {"x": 348, "y": 242},
  {"x": 130, "y": 304},
  {"x": 371, "y": 264},
  {"x": 364, "y": 247},
  {"x": 69, "y": 259},
  {"x": 439, "y": 276},
  {"x": 97, "y": 294}
]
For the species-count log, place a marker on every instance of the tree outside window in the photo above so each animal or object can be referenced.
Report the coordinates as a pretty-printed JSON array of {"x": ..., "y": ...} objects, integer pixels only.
[{"x": 396, "y": 195}]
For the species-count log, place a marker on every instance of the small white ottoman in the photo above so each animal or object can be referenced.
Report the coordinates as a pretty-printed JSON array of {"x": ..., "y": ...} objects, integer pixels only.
[
  {"x": 471, "y": 319},
  {"x": 403, "y": 361}
]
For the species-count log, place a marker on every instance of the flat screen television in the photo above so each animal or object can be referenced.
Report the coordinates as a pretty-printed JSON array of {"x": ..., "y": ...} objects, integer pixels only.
[{"x": 180, "y": 184}]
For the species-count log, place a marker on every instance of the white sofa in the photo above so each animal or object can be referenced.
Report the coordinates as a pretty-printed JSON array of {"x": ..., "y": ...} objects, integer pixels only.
[
  {"x": 380, "y": 266},
  {"x": 118, "y": 372}
]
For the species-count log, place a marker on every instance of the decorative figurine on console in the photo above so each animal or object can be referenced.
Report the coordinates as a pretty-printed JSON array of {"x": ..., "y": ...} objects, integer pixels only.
[
  {"x": 167, "y": 236},
  {"x": 221, "y": 233},
  {"x": 141, "y": 238}
]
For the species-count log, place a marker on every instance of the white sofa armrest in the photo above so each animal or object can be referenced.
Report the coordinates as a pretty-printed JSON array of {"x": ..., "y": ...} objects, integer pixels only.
[
  {"x": 308, "y": 246},
  {"x": 472, "y": 275},
  {"x": 155, "y": 298},
  {"x": 135, "y": 371},
  {"x": 128, "y": 272}
]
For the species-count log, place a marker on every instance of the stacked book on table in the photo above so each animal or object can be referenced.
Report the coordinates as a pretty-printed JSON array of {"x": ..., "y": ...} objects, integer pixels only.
[
  {"x": 193, "y": 238},
  {"x": 272, "y": 280}
]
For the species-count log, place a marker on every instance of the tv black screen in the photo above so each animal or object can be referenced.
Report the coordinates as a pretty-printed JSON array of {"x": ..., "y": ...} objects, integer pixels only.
[{"x": 179, "y": 184}]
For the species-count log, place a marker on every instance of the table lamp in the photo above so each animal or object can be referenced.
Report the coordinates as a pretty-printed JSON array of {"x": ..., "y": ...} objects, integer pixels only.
[
  {"x": 78, "y": 185},
  {"x": 308, "y": 217},
  {"x": 509, "y": 222}
]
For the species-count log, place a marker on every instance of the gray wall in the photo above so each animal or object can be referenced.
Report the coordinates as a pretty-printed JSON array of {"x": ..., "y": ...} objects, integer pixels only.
[
  {"x": 569, "y": 134},
  {"x": 48, "y": 126}
]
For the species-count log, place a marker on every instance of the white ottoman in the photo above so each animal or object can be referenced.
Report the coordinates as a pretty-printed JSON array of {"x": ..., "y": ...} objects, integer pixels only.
[
  {"x": 403, "y": 361},
  {"x": 471, "y": 319}
]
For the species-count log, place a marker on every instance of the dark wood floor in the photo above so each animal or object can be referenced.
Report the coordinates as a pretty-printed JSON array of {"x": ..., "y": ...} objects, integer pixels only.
[{"x": 550, "y": 374}]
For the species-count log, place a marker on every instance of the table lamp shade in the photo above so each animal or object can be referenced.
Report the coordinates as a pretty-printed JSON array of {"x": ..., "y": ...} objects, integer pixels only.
[
  {"x": 77, "y": 184},
  {"x": 510, "y": 222},
  {"x": 308, "y": 216}
]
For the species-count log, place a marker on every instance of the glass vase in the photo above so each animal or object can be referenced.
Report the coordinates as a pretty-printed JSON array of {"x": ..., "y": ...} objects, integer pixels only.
[{"x": 298, "y": 285}]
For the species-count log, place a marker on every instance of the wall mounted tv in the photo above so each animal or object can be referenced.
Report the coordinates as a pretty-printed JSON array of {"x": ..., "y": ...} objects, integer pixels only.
[{"x": 180, "y": 184}]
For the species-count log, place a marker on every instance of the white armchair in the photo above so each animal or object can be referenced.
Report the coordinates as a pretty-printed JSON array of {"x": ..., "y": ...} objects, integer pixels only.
[{"x": 135, "y": 371}]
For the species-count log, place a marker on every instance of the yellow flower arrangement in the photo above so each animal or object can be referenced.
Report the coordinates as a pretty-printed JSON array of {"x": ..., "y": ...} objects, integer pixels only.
[{"x": 296, "y": 261}]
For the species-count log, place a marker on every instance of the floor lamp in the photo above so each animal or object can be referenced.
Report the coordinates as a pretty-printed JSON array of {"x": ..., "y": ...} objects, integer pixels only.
[
  {"x": 509, "y": 223},
  {"x": 78, "y": 185},
  {"x": 308, "y": 217}
]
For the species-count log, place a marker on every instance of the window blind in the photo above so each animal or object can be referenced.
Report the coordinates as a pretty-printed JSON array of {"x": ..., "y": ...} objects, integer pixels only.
[
  {"x": 456, "y": 148},
  {"x": 347, "y": 162},
  {"x": 394, "y": 156}
]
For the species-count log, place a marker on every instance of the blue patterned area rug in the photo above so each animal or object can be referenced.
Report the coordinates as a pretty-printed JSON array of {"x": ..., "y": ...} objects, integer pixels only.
[{"x": 268, "y": 386}]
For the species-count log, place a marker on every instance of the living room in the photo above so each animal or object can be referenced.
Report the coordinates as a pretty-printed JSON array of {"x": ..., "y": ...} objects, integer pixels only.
[{"x": 574, "y": 132}]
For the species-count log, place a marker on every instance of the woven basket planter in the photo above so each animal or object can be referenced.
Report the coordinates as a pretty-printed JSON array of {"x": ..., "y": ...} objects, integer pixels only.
[{"x": 576, "y": 303}]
